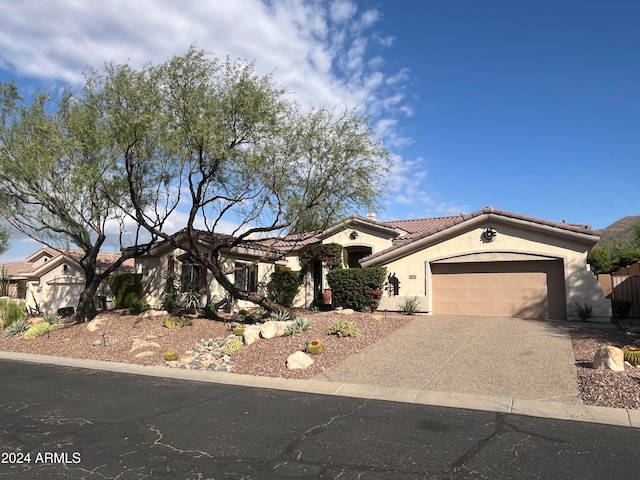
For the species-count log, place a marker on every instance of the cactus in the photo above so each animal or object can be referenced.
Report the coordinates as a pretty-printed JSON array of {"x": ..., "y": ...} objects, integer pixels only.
[
  {"x": 238, "y": 331},
  {"x": 315, "y": 347},
  {"x": 232, "y": 346},
  {"x": 631, "y": 354},
  {"x": 171, "y": 355},
  {"x": 343, "y": 328},
  {"x": 168, "y": 323}
]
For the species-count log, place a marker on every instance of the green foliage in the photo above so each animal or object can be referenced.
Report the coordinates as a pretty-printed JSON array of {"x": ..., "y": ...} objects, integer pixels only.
[
  {"x": 315, "y": 347},
  {"x": 18, "y": 326},
  {"x": 4, "y": 279},
  {"x": 136, "y": 306},
  {"x": 284, "y": 285},
  {"x": 126, "y": 289},
  {"x": 280, "y": 316},
  {"x": 357, "y": 288},
  {"x": 170, "y": 293},
  {"x": 5, "y": 235},
  {"x": 232, "y": 346},
  {"x": 583, "y": 311},
  {"x": 37, "y": 330},
  {"x": 171, "y": 355},
  {"x": 171, "y": 323},
  {"x": 343, "y": 328},
  {"x": 210, "y": 311},
  {"x": 193, "y": 299},
  {"x": 600, "y": 259},
  {"x": 52, "y": 318},
  {"x": 410, "y": 306},
  {"x": 12, "y": 311},
  {"x": 299, "y": 325},
  {"x": 631, "y": 354},
  {"x": 629, "y": 257},
  {"x": 330, "y": 254}
]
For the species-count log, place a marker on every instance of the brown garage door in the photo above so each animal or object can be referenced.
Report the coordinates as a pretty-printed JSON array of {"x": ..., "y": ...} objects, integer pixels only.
[{"x": 527, "y": 289}]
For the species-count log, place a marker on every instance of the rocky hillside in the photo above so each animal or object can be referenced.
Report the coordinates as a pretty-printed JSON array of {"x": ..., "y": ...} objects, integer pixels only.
[{"x": 618, "y": 233}]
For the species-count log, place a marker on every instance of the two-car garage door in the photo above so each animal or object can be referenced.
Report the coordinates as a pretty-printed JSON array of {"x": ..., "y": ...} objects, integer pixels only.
[{"x": 527, "y": 289}]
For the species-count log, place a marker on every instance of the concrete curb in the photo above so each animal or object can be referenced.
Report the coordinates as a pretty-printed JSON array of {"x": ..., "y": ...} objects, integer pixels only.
[{"x": 532, "y": 408}]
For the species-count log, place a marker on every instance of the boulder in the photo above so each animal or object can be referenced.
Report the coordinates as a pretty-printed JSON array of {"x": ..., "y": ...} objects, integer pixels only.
[
  {"x": 273, "y": 329},
  {"x": 251, "y": 334},
  {"x": 609, "y": 357},
  {"x": 299, "y": 361},
  {"x": 95, "y": 324}
]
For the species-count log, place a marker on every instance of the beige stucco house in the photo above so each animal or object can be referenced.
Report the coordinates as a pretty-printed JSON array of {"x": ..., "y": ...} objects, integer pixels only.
[
  {"x": 53, "y": 279},
  {"x": 487, "y": 263}
]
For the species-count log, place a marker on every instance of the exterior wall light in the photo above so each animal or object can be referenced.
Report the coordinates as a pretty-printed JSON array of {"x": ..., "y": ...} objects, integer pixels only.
[
  {"x": 353, "y": 235},
  {"x": 489, "y": 235}
]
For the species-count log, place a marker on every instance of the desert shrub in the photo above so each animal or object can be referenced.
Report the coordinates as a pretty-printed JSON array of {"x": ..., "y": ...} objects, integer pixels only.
[
  {"x": 170, "y": 292},
  {"x": 171, "y": 355},
  {"x": 37, "y": 330},
  {"x": 343, "y": 328},
  {"x": 12, "y": 312},
  {"x": 410, "y": 306},
  {"x": 210, "y": 311},
  {"x": 284, "y": 285},
  {"x": 232, "y": 346},
  {"x": 52, "y": 318},
  {"x": 315, "y": 347},
  {"x": 18, "y": 326},
  {"x": 299, "y": 325},
  {"x": 583, "y": 311},
  {"x": 357, "y": 288},
  {"x": 193, "y": 298},
  {"x": 137, "y": 306},
  {"x": 126, "y": 288}
]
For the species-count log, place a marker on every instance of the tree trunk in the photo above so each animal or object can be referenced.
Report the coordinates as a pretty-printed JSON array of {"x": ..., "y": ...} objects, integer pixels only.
[{"x": 85, "y": 302}]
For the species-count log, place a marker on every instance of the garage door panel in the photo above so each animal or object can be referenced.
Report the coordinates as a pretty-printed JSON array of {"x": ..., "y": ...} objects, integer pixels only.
[{"x": 512, "y": 289}]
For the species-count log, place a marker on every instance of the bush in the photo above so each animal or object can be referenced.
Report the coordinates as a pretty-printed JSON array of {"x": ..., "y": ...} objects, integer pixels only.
[
  {"x": 170, "y": 293},
  {"x": 232, "y": 346},
  {"x": 357, "y": 288},
  {"x": 584, "y": 312},
  {"x": 37, "y": 330},
  {"x": 137, "y": 306},
  {"x": 284, "y": 285},
  {"x": 126, "y": 289},
  {"x": 343, "y": 328},
  {"x": 410, "y": 306},
  {"x": 13, "y": 311},
  {"x": 210, "y": 311}
]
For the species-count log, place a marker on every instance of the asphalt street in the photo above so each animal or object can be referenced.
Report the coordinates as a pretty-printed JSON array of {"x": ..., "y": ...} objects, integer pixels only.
[{"x": 63, "y": 422}]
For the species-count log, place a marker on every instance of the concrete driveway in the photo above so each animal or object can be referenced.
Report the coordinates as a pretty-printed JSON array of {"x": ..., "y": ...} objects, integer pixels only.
[{"x": 502, "y": 357}]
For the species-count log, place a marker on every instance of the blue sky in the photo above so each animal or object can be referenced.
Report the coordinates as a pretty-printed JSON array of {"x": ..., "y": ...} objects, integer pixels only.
[{"x": 529, "y": 106}]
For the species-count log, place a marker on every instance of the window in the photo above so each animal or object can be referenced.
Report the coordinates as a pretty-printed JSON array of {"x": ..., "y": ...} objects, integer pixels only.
[
  {"x": 190, "y": 276},
  {"x": 246, "y": 277}
]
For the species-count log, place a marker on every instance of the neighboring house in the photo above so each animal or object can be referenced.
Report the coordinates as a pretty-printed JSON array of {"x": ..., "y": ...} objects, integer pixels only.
[
  {"x": 487, "y": 263},
  {"x": 54, "y": 280}
]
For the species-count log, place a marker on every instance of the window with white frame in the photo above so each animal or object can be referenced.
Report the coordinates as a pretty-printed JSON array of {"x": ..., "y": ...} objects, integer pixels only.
[{"x": 246, "y": 277}]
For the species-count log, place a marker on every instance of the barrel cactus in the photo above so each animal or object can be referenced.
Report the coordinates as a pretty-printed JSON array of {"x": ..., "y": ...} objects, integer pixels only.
[
  {"x": 315, "y": 347},
  {"x": 171, "y": 355},
  {"x": 238, "y": 331},
  {"x": 631, "y": 354}
]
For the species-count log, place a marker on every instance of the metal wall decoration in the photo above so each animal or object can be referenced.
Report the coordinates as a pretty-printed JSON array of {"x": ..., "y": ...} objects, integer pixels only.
[
  {"x": 393, "y": 285},
  {"x": 489, "y": 235},
  {"x": 353, "y": 235}
]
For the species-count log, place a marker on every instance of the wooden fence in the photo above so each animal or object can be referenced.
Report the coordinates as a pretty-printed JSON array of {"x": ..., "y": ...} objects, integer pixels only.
[{"x": 625, "y": 288}]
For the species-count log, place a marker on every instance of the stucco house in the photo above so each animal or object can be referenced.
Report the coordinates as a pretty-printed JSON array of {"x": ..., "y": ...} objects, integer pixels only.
[
  {"x": 487, "y": 263},
  {"x": 53, "y": 279}
]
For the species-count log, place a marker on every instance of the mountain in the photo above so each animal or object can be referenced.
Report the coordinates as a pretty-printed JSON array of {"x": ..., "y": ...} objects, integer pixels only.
[{"x": 618, "y": 233}]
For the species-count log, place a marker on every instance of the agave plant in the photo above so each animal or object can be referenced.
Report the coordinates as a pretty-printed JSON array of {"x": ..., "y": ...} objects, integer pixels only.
[
  {"x": 299, "y": 325},
  {"x": 18, "y": 326},
  {"x": 281, "y": 316}
]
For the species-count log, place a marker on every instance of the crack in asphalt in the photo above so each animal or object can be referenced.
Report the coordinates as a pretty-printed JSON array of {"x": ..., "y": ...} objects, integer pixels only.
[{"x": 501, "y": 427}]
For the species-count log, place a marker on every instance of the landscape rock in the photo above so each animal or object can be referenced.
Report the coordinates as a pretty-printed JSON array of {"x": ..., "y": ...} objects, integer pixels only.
[
  {"x": 154, "y": 314},
  {"x": 272, "y": 329},
  {"x": 609, "y": 357},
  {"x": 299, "y": 361},
  {"x": 143, "y": 344},
  {"x": 94, "y": 324},
  {"x": 146, "y": 353},
  {"x": 251, "y": 334},
  {"x": 345, "y": 311}
]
